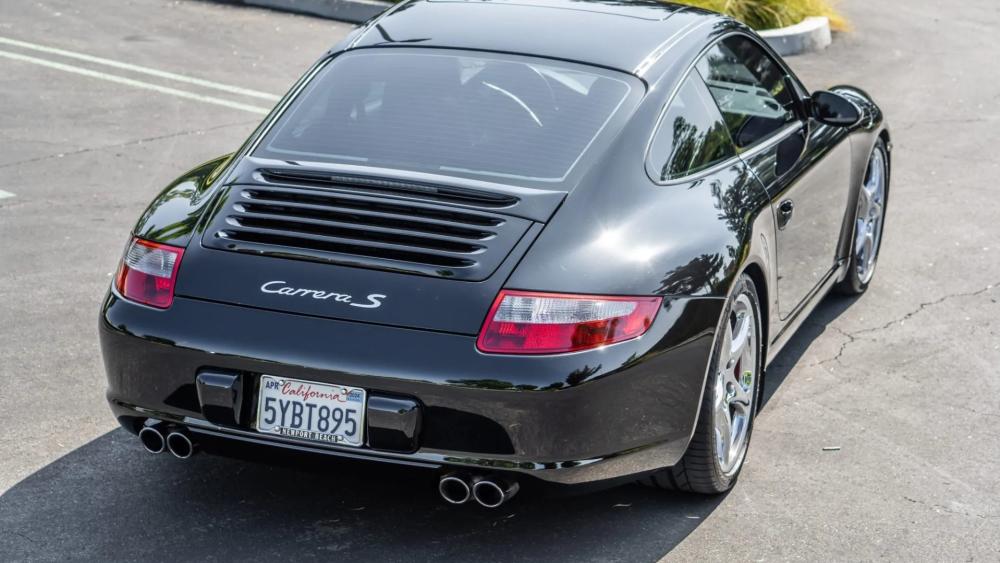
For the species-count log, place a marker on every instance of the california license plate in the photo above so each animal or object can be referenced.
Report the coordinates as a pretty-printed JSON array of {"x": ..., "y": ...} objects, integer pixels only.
[{"x": 307, "y": 410}]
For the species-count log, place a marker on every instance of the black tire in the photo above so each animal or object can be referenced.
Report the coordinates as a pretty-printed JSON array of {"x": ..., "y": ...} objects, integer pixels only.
[
  {"x": 852, "y": 284},
  {"x": 699, "y": 471}
]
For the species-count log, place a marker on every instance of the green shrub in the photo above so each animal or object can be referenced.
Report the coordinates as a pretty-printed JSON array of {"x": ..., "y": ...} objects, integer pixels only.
[{"x": 769, "y": 14}]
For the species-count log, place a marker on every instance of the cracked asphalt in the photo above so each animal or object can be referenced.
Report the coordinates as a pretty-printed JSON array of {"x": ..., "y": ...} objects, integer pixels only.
[{"x": 879, "y": 436}]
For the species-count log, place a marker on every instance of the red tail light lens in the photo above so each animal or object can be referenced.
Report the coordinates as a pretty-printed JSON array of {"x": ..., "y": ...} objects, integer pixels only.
[
  {"x": 148, "y": 273},
  {"x": 523, "y": 322}
]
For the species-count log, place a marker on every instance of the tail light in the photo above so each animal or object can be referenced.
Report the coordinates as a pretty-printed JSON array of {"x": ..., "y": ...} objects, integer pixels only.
[
  {"x": 148, "y": 273},
  {"x": 522, "y": 322}
]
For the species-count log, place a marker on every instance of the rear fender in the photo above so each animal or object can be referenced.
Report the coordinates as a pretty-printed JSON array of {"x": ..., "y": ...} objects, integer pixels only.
[{"x": 173, "y": 215}]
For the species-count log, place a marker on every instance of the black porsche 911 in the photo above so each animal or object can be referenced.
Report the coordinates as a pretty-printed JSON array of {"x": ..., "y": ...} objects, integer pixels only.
[{"x": 557, "y": 241}]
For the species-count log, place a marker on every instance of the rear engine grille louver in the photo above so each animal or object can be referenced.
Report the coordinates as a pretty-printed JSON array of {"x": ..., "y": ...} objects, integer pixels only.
[
  {"x": 367, "y": 226},
  {"x": 385, "y": 186}
]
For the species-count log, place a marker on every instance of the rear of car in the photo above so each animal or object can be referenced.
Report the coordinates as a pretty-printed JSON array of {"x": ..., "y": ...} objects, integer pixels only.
[{"x": 339, "y": 286}]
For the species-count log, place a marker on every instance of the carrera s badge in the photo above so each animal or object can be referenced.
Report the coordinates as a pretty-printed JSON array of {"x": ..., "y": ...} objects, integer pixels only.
[{"x": 279, "y": 287}]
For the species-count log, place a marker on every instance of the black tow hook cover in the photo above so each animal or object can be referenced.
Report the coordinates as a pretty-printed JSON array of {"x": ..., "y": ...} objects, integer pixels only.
[
  {"x": 221, "y": 397},
  {"x": 393, "y": 423}
]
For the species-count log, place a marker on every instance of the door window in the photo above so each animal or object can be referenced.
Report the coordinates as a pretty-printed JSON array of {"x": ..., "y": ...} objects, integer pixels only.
[
  {"x": 749, "y": 87},
  {"x": 691, "y": 135}
]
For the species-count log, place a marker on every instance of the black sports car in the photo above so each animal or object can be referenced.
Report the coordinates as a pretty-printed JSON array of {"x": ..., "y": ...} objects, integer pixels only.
[{"x": 503, "y": 241}]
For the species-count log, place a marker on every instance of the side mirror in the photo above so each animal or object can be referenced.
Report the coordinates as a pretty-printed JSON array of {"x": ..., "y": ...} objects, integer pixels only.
[{"x": 834, "y": 109}]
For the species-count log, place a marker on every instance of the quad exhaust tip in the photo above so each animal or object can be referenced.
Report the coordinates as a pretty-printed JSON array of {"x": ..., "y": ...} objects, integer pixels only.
[
  {"x": 152, "y": 439},
  {"x": 180, "y": 445},
  {"x": 488, "y": 491},
  {"x": 454, "y": 489},
  {"x": 156, "y": 438},
  {"x": 492, "y": 492}
]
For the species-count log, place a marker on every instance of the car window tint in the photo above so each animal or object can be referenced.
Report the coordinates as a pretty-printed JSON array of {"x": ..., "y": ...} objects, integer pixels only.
[
  {"x": 468, "y": 114},
  {"x": 749, "y": 88},
  {"x": 691, "y": 136}
]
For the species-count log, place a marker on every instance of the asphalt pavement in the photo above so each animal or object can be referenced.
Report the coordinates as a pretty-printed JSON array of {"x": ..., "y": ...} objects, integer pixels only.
[{"x": 879, "y": 436}]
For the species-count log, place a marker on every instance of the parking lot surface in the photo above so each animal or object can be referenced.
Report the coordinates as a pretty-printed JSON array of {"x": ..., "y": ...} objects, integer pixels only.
[{"x": 879, "y": 436}]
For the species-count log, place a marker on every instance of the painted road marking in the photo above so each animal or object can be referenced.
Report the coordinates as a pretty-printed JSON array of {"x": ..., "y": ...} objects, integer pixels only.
[
  {"x": 141, "y": 69},
  {"x": 134, "y": 83},
  {"x": 4, "y": 195}
]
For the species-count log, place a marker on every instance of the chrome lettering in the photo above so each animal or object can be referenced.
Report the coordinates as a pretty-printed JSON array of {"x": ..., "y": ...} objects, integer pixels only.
[
  {"x": 374, "y": 301},
  {"x": 280, "y": 287}
]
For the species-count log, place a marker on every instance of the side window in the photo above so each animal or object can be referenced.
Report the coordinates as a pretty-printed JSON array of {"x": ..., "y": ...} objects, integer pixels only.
[
  {"x": 749, "y": 87},
  {"x": 690, "y": 137}
]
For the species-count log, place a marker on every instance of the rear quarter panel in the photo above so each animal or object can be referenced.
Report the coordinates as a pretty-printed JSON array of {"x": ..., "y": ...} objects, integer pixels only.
[{"x": 173, "y": 215}]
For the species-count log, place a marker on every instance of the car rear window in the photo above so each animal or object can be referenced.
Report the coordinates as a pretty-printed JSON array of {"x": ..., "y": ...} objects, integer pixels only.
[{"x": 471, "y": 114}]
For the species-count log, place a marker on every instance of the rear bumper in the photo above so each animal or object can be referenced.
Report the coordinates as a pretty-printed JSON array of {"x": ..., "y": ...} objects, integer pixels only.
[{"x": 602, "y": 414}]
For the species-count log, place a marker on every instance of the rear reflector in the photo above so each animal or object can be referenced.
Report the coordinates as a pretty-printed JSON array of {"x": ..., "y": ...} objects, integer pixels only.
[
  {"x": 148, "y": 273},
  {"x": 524, "y": 322}
]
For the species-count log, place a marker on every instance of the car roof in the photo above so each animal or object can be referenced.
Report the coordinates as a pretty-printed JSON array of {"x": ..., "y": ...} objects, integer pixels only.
[{"x": 610, "y": 33}]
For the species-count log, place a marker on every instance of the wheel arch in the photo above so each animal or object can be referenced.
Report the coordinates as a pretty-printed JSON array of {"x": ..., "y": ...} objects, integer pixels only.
[
  {"x": 884, "y": 136},
  {"x": 756, "y": 274}
]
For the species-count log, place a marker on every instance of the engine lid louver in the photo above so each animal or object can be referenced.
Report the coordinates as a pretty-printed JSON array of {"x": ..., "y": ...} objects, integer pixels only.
[
  {"x": 387, "y": 186},
  {"x": 385, "y": 224}
]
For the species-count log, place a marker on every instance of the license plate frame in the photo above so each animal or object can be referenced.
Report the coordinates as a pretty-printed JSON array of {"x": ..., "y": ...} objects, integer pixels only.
[{"x": 277, "y": 414}]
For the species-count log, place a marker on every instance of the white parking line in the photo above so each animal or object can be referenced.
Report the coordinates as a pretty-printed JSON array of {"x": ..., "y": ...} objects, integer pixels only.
[
  {"x": 140, "y": 69},
  {"x": 134, "y": 83},
  {"x": 4, "y": 195}
]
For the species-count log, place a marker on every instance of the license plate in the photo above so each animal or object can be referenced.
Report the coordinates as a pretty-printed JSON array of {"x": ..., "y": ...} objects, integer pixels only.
[{"x": 307, "y": 410}]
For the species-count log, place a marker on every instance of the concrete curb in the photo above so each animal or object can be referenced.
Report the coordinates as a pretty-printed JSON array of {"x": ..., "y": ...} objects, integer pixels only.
[
  {"x": 811, "y": 34},
  {"x": 354, "y": 11}
]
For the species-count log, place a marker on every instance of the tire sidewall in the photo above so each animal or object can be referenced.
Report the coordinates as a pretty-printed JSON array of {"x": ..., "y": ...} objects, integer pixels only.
[
  {"x": 746, "y": 286},
  {"x": 854, "y": 284}
]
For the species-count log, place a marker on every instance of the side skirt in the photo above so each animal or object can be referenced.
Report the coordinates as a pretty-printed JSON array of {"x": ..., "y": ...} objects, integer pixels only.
[{"x": 808, "y": 306}]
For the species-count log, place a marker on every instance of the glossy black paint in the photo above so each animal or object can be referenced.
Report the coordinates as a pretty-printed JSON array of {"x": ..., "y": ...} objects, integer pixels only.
[
  {"x": 222, "y": 396},
  {"x": 781, "y": 212},
  {"x": 533, "y": 414},
  {"x": 394, "y": 423},
  {"x": 833, "y": 109},
  {"x": 174, "y": 214}
]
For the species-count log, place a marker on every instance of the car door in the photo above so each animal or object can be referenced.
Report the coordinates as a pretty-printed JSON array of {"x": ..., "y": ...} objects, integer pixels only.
[{"x": 802, "y": 164}]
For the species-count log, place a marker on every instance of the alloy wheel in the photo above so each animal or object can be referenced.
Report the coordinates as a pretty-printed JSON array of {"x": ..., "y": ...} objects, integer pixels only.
[
  {"x": 734, "y": 385},
  {"x": 869, "y": 217}
]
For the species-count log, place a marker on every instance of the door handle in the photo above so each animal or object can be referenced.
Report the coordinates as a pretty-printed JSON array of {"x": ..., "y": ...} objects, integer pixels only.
[{"x": 785, "y": 209}]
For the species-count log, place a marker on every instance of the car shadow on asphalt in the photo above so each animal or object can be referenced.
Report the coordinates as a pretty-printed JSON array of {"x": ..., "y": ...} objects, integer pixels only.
[{"x": 109, "y": 500}]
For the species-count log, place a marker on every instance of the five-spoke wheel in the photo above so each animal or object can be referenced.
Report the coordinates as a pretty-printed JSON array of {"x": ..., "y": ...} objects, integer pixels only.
[
  {"x": 735, "y": 381},
  {"x": 869, "y": 219},
  {"x": 719, "y": 445}
]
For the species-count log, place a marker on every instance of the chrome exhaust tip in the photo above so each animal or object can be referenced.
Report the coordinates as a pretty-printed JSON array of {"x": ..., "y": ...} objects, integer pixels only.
[
  {"x": 152, "y": 439},
  {"x": 180, "y": 445},
  {"x": 492, "y": 492},
  {"x": 454, "y": 489}
]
